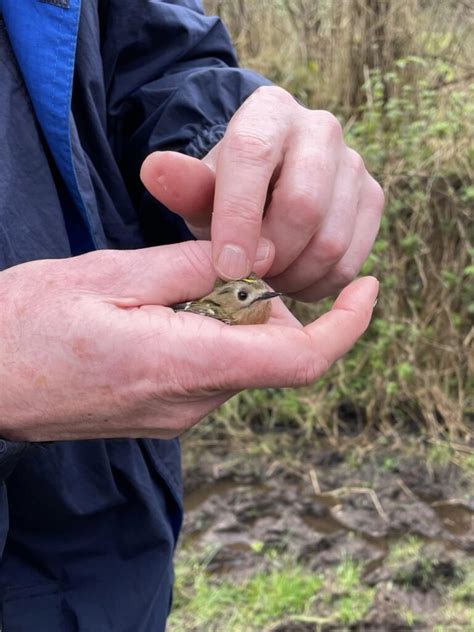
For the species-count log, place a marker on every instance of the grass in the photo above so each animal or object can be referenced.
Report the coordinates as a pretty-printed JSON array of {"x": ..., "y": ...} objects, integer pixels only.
[
  {"x": 412, "y": 564},
  {"x": 440, "y": 455},
  {"x": 282, "y": 590},
  {"x": 458, "y": 609},
  {"x": 349, "y": 600},
  {"x": 404, "y": 551},
  {"x": 206, "y": 603}
]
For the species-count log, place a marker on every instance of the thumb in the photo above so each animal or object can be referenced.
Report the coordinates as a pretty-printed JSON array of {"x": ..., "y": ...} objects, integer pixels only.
[
  {"x": 162, "y": 275},
  {"x": 183, "y": 184}
]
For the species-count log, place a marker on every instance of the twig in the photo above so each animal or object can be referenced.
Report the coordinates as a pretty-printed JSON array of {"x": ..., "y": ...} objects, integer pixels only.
[
  {"x": 448, "y": 502},
  {"x": 407, "y": 490},
  {"x": 374, "y": 499},
  {"x": 302, "y": 618},
  {"x": 459, "y": 447},
  {"x": 462, "y": 448},
  {"x": 342, "y": 491},
  {"x": 314, "y": 482},
  {"x": 217, "y": 468}
]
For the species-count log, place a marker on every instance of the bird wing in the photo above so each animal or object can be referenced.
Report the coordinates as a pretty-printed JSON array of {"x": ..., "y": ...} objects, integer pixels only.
[{"x": 197, "y": 307}]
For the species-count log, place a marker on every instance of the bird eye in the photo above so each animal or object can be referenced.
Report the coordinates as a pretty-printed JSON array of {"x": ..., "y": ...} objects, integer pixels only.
[{"x": 242, "y": 295}]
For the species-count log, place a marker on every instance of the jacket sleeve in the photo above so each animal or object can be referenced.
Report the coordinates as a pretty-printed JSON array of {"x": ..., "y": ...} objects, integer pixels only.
[
  {"x": 10, "y": 453},
  {"x": 172, "y": 81}
]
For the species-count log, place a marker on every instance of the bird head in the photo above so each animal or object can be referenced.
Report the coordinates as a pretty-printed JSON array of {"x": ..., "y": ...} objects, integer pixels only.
[{"x": 243, "y": 302}]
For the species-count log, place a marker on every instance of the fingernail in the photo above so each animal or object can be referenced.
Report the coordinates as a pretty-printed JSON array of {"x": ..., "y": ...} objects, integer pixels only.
[
  {"x": 263, "y": 250},
  {"x": 376, "y": 291},
  {"x": 233, "y": 263}
]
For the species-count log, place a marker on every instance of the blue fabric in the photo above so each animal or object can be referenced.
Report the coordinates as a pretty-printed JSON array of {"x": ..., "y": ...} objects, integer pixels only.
[
  {"x": 91, "y": 542},
  {"x": 32, "y": 222},
  {"x": 46, "y": 57},
  {"x": 88, "y": 528}
]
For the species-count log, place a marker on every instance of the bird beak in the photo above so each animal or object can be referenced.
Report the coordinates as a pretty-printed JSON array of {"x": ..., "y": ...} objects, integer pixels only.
[{"x": 266, "y": 295}]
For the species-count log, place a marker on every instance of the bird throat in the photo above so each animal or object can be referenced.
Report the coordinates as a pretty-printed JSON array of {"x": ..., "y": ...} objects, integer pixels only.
[{"x": 257, "y": 315}]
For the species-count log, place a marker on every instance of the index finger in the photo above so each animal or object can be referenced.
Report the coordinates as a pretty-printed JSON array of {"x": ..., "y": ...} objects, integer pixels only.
[{"x": 248, "y": 156}]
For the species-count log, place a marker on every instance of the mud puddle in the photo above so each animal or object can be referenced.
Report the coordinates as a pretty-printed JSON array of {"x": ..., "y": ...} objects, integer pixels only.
[{"x": 364, "y": 514}]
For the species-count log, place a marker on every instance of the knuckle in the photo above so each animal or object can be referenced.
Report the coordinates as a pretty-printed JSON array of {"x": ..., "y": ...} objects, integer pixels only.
[
  {"x": 275, "y": 92},
  {"x": 303, "y": 208},
  {"x": 377, "y": 195},
  {"x": 331, "y": 124},
  {"x": 344, "y": 273},
  {"x": 331, "y": 248},
  {"x": 355, "y": 162},
  {"x": 247, "y": 146}
]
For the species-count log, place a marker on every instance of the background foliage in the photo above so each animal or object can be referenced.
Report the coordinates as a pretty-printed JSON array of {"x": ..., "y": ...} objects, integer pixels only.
[{"x": 399, "y": 74}]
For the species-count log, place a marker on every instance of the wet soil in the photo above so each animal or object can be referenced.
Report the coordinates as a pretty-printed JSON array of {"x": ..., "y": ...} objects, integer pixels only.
[{"x": 325, "y": 509}]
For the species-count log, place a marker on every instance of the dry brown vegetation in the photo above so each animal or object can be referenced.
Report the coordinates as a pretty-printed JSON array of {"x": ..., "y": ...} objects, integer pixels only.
[
  {"x": 400, "y": 76},
  {"x": 324, "y": 50}
]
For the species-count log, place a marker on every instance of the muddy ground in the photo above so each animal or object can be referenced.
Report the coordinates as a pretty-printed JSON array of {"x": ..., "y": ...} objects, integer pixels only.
[{"x": 329, "y": 504}]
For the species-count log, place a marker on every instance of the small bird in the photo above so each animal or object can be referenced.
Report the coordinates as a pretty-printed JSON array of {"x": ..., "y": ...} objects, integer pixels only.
[{"x": 242, "y": 302}]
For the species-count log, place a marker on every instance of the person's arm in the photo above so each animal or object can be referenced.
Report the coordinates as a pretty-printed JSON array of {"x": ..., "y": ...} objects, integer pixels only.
[{"x": 173, "y": 83}]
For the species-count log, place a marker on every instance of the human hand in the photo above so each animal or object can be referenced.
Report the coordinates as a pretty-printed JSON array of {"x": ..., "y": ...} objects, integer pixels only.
[
  {"x": 322, "y": 208},
  {"x": 90, "y": 349}
]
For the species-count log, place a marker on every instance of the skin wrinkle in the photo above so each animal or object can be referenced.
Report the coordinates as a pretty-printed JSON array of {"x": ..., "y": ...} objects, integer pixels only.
[
  {"x": 202, "y": 346},
  {"x": 157, "y": 329},
  {"x": 249, "y": 209},
  {"x": 248, "y": 148},
  {"x": 205, "y": 342},
  {"x": 357, "y": 313},
  {"x": 326, "y": 365},
  {"x": 198, "y": 258},
  {"x": 304, "y": 372}
]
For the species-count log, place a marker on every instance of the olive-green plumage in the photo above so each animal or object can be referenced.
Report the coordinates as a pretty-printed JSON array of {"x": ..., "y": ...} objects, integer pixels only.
[{"x": 243, "y": 302}]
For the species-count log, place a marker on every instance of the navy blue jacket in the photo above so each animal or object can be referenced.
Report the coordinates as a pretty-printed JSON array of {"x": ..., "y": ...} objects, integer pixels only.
[{"x": 88, "y": 528}]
